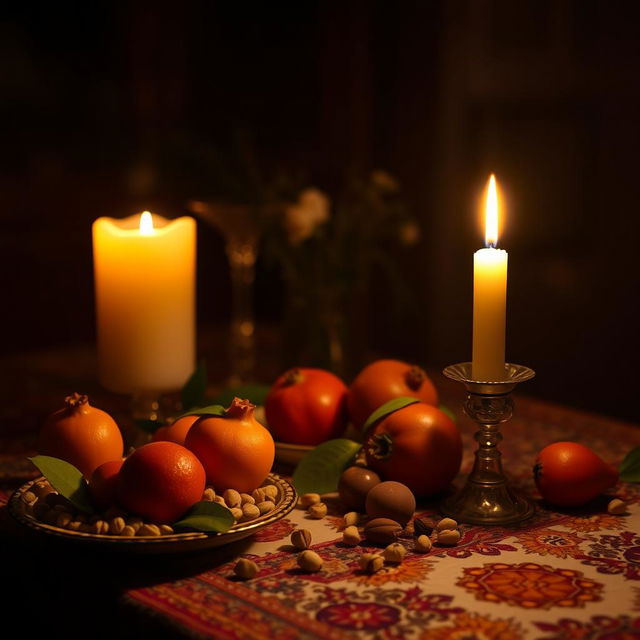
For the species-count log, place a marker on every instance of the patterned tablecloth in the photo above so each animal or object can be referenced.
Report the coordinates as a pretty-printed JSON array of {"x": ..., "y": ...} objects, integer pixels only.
[{"x": 559, "y": 575}]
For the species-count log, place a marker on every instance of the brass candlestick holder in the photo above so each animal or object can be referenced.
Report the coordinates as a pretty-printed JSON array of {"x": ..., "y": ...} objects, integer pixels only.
[{"x": 486, "y": 497}]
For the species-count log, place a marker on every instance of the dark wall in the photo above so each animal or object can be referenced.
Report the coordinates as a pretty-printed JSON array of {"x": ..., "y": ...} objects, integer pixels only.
[{"x": 109, "y": 108}]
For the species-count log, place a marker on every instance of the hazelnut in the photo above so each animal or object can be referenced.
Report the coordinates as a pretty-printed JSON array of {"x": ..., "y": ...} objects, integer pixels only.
[
  {"x": 617, "y": 507},
  {"x": 250, "y": 511},
  {"x": 423, "y": 526},
  {"x": 447, "y": 523},
  {"x": 310, "y": 561},
  {"x": 148, "y": 530},
  {"x": 116, "y": 525},
  {"x": 237, "y": 513},
  {"x": 308, "y": 499},
  {"x": 351, "y": 536},
  {"x": 258, "y": 495},
  {"x": 449, "y": 537},
  {"x": 245, "y": 569},
  {"x": 301, "y": 538},
  {"x": 270, "y": 492},
  {"x": 394, "y": 553},
  {"x": 265, "y": 506},
  {"x": 371, "y": 562},
  {"x": 317, "y": 511},
  {"x": 422, "y": 544},
  {"x": 247, "y": 499},
  {"x": 351, "y": 518},
  {"x": 209, "y": 494},
  {"x": 232, "y": 498},
  {"x": 382, "y": 531}
]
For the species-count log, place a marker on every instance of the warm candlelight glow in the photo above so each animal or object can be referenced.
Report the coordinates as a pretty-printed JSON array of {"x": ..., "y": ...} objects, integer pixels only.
[
  {"x": 146, "y": 224},
  {"x": 491, "y": 214}
]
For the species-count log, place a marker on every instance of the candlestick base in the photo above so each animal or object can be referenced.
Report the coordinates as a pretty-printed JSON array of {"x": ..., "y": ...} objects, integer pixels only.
[{"x": 486, "y": 498}]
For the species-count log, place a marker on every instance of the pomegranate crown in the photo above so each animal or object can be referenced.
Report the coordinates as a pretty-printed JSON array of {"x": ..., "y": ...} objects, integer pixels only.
[
  {"x": 240, "y": 408},
  {"x": 76, "y": 400}
]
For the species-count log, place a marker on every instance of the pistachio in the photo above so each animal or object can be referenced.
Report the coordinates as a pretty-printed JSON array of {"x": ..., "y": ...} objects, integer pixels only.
[
  {"x": 449, "y": 537},
  {"x": 245, "y": 569},
  {"x": 148, "y": 530},
  {"x": 394, "y": 553},
  {"x": 165, "y": 530},
  {"x": 271, "y": 492},
  {"x": 100, "y": 527},
  {"x": 250, "y": 511},
  {"x": 29, "y": 498},
  {"x": 134, "y": 522},
  {"x": 220, "y": 500},
  {"x": 447, "y": 524},
  {"x": 128, "y": 531},
  {"x": 423, "y": 526},
  {"x": 310, "y": 561},
  {"x": 265, "y": 506},
  {"x": 617, "y": 507},
  {"x": 237, "y": 513},
  {"x": 258, "y": 495},
  {"x": 232, "y": 498},
  {"x": 116, "y": 525},
  {"x": 317, "y": 511},
  {"x": 208, "y": 494},
  {"x": 382, "y": 531},
  {"x": 247, "y": 499},
  {"x": 371, "y": 562},
  {"x": 301, "y": 538},
  {"x": 351, "y": 518},
  {"x": 351, "y": 536},
  {"x": 422, "y": 544},
  {"x": 64, "y": 519},
  {"x": 307, "y": 499}
]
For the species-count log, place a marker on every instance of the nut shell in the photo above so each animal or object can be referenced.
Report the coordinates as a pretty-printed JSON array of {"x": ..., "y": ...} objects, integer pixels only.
[{"x": 382, "y": 531}]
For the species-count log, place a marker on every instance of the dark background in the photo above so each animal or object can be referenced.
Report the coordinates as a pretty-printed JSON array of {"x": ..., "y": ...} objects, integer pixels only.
[{"x": 104, "y": 106}]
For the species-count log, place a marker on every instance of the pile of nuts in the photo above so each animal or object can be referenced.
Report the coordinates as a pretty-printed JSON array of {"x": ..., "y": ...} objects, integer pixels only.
[{"x": 48, "y": 506}]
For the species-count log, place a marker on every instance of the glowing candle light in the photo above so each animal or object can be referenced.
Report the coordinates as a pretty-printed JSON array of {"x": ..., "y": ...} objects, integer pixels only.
[{"x": 489, "y": 297}]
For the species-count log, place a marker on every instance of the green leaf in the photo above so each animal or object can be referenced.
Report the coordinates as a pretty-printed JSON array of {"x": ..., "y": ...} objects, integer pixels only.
[
  {"x": 387, "y": 408},
  {"x": 193, "y": 392},
  {"x": 320, "y": 470},
  {"x": 255, "y": 393},
  {"x": 447, "y": 411},
  {"x": 66, "y": 480},
  {"x": 630, "y": 466},
  {"x": 209, "y": 517},
  {"x": 149, "y": 426},
  {"x": 211, "y": 410}
]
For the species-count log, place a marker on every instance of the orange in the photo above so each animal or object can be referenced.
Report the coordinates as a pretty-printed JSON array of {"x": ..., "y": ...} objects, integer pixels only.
[
  {"x": 176, "y": 432},
  {"x": 82, "y": 435},
  {"x": 103, "y": 483},
  {"x": 160, "y": 481}
]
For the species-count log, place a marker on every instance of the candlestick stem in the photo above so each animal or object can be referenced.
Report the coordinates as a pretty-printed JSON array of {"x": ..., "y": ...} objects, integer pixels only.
[{"x": 486, "y": 498}]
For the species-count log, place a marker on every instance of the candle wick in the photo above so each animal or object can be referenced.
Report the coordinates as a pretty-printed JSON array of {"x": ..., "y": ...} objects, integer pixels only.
[{"x": 491, "y": 245}]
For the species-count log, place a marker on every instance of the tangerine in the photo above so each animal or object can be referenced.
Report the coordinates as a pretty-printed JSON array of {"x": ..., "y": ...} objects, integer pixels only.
[
  {"x": 176, "y": 432},
  {"x": 235, "y": 449},
  {"x": 103, "y": 483},
  {"x": 82, "y": 435},
  {"x": 160, "y": 481}
]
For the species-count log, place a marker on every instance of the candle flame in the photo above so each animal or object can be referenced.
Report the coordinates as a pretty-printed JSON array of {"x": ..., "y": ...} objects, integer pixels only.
[
  {"x": 146, "y": 224},
  {"x": 491, "y": 214}
]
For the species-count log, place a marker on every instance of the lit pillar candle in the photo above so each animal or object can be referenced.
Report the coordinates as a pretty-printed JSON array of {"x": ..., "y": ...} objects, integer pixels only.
[
  {"x": 489, "y": 298},
  {"x": 144, "y": 270}
]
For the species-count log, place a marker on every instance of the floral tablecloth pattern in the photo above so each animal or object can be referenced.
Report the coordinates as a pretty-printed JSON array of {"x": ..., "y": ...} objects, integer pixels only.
[{"x": 572, "y": 574}]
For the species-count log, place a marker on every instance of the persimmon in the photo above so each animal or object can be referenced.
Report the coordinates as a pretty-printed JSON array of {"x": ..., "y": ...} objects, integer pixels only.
[
  {"x": 236, "y": 450},
  {"x": 102, "y": 484},
  {"x": 176, "y": 432},
  {"x": 384, "y": 380},
  {"x": 417, "y": 445},
  {"x": 569, "y": 474},
  {"x": 160, "y": 481},
  {"x": 82, "y": 435}
]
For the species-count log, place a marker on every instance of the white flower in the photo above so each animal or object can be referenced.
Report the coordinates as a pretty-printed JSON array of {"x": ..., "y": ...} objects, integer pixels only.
[{"x": 302, "y": 218}]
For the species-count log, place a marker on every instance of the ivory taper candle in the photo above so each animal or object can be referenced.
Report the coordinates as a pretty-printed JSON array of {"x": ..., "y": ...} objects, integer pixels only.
[
  {"x": 144, "y": 268},
  {"x": 489, "y": 298}
]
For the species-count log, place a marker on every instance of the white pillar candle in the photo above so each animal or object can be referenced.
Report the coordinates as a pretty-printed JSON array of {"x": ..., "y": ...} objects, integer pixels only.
[
  {"x": 489, "y": 298},
  {"x": 144, "y": 268}
]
